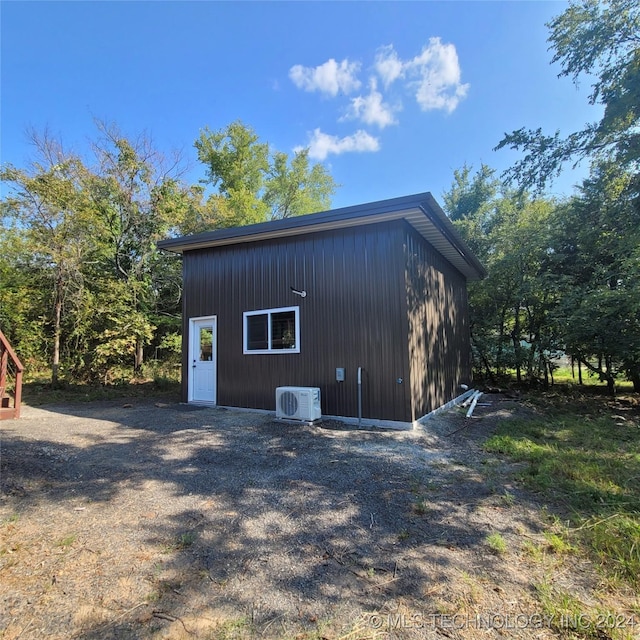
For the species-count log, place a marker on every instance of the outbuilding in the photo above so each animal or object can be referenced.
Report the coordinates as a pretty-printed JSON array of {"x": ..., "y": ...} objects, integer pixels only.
[{"x": 378, "y": 289}]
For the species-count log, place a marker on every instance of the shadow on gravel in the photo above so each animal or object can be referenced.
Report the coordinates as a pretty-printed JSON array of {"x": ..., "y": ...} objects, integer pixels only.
[{"x": 287, "y": 523}]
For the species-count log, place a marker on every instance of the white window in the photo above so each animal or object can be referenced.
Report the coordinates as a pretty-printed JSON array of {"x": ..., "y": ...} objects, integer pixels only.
[{"x": 272, "y": 331}]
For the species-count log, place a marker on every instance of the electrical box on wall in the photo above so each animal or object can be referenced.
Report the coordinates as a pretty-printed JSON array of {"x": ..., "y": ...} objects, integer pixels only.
[{"x": 340, "y": 374}]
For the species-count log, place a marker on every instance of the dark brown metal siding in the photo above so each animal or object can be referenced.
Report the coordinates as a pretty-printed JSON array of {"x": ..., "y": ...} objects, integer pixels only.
[
  {"x": 354, "y": 315},
  {"x": 439, "y": 340}
]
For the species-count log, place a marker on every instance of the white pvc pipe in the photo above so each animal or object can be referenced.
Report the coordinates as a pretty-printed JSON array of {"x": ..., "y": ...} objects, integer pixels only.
[
  {"x": 476, "y": 397},
  {"x": 469, "y": 399}
]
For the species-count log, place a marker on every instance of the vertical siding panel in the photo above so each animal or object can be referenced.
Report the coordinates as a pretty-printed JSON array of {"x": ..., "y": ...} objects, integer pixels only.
[
  {"x": 439, "y": 341},
  {"x": 354, "y": 315}
]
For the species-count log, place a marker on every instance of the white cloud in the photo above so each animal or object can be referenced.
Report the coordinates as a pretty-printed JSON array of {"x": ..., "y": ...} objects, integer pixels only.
[
  {"x": 330, "y": 77},
  {"x": 371, "y": 109},
  {"x": 435, "y": 76},
  {"x": 388, "y": 65},
  {"x": 322, "y": 144}
]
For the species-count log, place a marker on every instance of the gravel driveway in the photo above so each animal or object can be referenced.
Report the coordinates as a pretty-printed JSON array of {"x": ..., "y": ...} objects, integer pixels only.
[{"x": 144, "y": 519}]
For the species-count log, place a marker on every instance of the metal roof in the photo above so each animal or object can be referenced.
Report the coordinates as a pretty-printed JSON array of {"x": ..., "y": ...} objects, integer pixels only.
[{"x": 421, "y": 211}]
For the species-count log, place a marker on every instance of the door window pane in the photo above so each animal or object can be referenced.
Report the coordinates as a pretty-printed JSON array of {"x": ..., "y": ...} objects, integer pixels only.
[{"x": 206, "y": 344}]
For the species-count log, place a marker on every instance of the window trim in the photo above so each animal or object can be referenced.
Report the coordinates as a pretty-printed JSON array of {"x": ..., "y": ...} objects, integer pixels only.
[{"x": 260, "y": 312}]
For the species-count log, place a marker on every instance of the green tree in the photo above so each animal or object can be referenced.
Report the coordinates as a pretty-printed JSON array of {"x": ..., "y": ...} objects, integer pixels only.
[
  {"x": 22, "y": 295},
  {"x": 471, "y": 204},
  {"x": 600, "y": 39},
  {"x": 296, "y": 188},
  {"x": 236, "y": 164},
  {"x": 254, "y": 185},
  {"x": 596, "y": 263},
  {"x": 108, "y": 331},
  {"x": 48, "y": 202},
  {"x": 81, "y": 242},
  {"x": 509, "y": 310},
  {"x": 138, "y": 198},
  {"x": 593, "y": 263}
]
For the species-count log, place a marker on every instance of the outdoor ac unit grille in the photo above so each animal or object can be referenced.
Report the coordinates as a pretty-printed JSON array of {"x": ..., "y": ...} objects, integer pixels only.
[
  {"x": 289, "y": 403},
  {"x": 298, "y": 403}
]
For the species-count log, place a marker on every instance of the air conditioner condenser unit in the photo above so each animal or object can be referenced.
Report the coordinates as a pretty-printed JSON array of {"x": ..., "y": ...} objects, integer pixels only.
[{"x": 298, "y": 403}]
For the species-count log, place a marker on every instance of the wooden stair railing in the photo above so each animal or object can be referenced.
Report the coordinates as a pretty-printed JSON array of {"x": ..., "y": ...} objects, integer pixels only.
[{"x": 10, "y": 367}]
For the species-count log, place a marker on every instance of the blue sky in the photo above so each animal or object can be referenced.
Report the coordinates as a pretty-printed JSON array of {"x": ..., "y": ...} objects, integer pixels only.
[{"x": 390, "y": 97}]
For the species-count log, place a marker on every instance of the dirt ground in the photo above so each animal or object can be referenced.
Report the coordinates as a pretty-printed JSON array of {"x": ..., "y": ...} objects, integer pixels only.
[{"x": 145, "y": 519}]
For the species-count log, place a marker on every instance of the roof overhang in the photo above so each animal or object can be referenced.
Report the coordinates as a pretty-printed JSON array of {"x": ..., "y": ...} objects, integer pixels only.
[{"x": 421, "y": 211}]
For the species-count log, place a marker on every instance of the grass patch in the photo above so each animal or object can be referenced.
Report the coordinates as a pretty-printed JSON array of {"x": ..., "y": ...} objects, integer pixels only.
[
  {"x": 533, "y": 550},
  {"x": 12, "y": 519},
  {"x": 186, "y": 540},
  {"x": 565, "y": 612},
  {"x": 403, "y": 535},
  {"x": 508, "y": 499},
  {"x": 39, "y": 392},
  {"x": 564, "y": 376},
  {"x": 582, "y": 454},
  {"x": 67, "y": 541},
  {"x": 496, "y": 543},
  {"x": 557, "y": 543},
  {"x": 568, "y": 616},
  {"x": 232, "y": 629},
  {"x": 181, "y": 542},
  {"x": 421, "y": 507}
]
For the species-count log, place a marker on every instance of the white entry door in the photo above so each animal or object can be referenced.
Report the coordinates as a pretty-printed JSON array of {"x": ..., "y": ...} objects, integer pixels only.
[{"x": 202, "y": 360}]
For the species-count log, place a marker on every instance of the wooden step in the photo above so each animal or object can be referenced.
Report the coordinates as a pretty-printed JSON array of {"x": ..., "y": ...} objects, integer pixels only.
[{"x": 8, "y": 413}]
